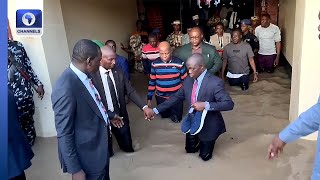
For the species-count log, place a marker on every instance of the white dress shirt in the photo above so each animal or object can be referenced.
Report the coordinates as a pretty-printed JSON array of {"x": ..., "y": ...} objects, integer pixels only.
[
  {"x": 103, "y": 72},
  {"x": 86, "y": 82}
]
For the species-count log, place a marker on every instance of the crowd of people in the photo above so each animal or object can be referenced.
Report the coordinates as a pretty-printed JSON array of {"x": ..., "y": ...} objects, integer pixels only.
[
  {"x": 89, "y": 99},
  {"x": 249, "y": 49}
]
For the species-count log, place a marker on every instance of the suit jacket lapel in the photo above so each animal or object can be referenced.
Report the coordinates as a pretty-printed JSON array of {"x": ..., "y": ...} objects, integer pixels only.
[
  {"x": 97, "y": 81},
  {"x": 116, "y": 80},
  {"x": 86, "y": 95}
]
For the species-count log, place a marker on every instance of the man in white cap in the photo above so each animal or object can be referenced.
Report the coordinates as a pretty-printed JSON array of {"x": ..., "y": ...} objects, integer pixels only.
[{"x": 175, "y": 38}]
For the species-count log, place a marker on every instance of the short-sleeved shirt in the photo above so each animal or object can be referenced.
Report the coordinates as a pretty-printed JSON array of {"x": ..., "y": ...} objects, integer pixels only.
[
  {"x": 267, "y": 38},
  {"x": 237, "y": 56},
  {"x": 252, "y": 40}
]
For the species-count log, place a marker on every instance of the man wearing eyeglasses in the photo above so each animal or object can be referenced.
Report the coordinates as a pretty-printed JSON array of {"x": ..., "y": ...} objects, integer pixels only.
[{"x": 211, "y": 57}]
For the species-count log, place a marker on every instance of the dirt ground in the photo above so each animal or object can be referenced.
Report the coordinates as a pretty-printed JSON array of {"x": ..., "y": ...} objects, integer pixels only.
[{"x": 239, "y": 154}]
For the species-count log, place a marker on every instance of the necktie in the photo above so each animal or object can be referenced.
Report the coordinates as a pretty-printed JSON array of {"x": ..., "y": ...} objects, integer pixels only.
[
  {"x": 194, "y": 92},
  {"x": 98, "y": 99},
  {"x": 113, "y": 94}
]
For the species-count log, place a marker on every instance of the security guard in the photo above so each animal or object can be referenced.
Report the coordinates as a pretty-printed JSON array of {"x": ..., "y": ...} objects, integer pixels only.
[
  {"x": 248, "y": 36},
  {"x": 251, "y": 39}
]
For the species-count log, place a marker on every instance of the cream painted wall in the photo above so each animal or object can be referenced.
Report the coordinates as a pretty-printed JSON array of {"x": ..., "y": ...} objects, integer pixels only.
[
  {"x": 64, "y": 24},
  {"x": 287, "y": 10},
  {"x": 49, "y": 56},
  {"x": 36, "y": 54},
  {"x": 55, "y": 40},
  {"x": 99, "y": 19},
  {"x": 305, "y": 86}
]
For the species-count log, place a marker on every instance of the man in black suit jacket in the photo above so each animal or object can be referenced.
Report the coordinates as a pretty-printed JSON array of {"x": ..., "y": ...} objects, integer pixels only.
[
  {"x": 113, "y": 87},
  {"x": 81, "y": 121},
  {"x": 210, "y": 96}
]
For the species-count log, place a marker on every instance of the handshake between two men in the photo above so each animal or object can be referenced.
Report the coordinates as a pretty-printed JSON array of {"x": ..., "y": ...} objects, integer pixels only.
[
  {"x": 117, "y": 121},
  {"x": 149, "y": 113}
]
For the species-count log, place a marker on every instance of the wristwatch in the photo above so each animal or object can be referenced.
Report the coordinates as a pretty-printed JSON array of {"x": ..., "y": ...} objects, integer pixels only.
[{"x": 256, "y": 73}]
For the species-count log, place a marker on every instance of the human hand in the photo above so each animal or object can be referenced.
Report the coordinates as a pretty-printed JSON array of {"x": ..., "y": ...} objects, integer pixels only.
[
  {"x": 122, "y": 46},
  {"x": 40, "y": 91},
  {"x": 148, "y": 113},
  {"x": 117, "y": 121},
  {"x": 276, "y": 62},
  {"x": 255, "y": 77},
  {"x": 275, "y": 148},
  {"x": 199, "y": 106},
  {"x": 79, "y": 175}
]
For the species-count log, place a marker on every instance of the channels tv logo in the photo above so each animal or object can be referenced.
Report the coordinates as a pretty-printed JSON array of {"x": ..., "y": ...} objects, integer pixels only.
[{"x": 29, "y": 22}]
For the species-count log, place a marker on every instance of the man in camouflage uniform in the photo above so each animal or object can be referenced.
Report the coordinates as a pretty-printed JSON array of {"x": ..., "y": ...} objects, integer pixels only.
[
  {"x": 175, "y": 38},
  {"x": 22, "y": 80},
  {"x": 136, "y": 45}
]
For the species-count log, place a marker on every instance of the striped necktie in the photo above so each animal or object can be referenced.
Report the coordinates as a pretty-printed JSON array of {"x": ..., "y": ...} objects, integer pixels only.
[{"x": 98, "y": 99}]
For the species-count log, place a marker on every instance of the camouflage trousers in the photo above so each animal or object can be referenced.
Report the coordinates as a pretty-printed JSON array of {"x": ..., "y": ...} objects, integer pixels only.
[{"x": 26, "y": 111}]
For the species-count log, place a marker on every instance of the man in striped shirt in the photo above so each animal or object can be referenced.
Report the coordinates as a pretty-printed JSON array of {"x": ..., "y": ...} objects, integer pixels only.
[
  {"x": 150, "y": 52},
  {"x": 167, "y": 75}
]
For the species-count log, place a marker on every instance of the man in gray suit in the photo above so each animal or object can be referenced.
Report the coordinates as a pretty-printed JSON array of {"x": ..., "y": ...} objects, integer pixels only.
[
  {"x": 202, "y": 91},
  {"x": 113, "y": 87},
  {"x": 82, "y": 122}
]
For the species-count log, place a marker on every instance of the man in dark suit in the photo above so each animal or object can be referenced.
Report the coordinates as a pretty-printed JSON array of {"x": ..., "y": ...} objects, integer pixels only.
[
  {"x": 81, "y": 120},
  {"x": 202, "y": 91},
  {"x": 211, "y": 58},
  {"x": 113, "y": 87}
]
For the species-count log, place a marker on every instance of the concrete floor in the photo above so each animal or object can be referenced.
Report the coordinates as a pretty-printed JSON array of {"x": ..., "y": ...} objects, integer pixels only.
[{"x": 240, "y": 153}]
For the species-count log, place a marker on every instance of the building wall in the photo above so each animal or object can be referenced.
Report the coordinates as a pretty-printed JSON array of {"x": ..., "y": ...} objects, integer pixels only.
[
  {"x": 65, "y": 22},
  {"x": 49, "y": 56},
  {"x": 100, "y": 20},
  {"x": 287, "y": 25},
  {"x": 305, "y": 86}
]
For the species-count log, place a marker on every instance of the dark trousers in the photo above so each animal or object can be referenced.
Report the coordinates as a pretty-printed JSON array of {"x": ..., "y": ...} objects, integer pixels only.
[
  {"x": 123, "y": 137},
  {"x": 22, "y": 176},
  {"x": 242, "y": 81},
  {"x": 26, "y": 110},
  {"x": 175, "y": 110},
  {"x": 266, "y": 62},
  {"x": 146, "y": 66},
  {"x": 193, "y": 144}
]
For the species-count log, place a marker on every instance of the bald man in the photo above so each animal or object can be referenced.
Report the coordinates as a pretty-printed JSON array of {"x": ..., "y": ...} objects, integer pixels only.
[
  {"x": 203, "y": 93},
  {"x": 113, "y": 86},
  {"x": 166, "y": 78},
  {"x": 211, "y": 57}
]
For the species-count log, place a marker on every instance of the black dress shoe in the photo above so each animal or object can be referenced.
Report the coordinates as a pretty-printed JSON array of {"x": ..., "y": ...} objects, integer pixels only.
[{"x": 175, "y": 119}]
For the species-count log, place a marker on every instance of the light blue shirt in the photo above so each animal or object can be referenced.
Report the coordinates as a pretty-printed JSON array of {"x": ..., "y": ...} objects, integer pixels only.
[
  {"x": 307, "y": 123},
  {"x": 86, "y": 82},
  {"x": 199, "y": 79}
]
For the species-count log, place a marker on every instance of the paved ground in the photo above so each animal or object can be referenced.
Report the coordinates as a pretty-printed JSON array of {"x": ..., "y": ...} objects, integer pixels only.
[{"x": 239, "y": 154}]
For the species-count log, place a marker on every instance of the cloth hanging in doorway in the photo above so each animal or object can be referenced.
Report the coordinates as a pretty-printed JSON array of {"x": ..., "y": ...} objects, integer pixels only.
[{"x": 233, "y": 19}]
